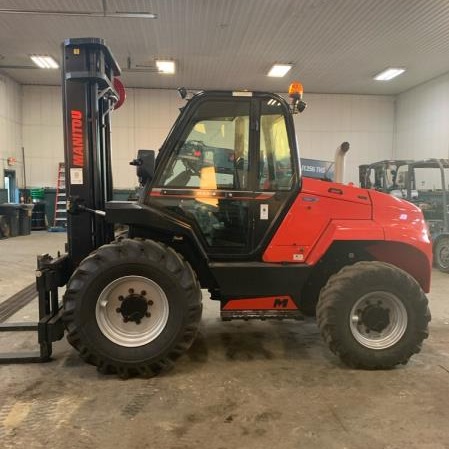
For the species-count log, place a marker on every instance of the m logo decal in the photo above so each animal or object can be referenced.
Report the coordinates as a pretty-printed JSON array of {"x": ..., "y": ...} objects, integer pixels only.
[{"x": 280, "y": 303}]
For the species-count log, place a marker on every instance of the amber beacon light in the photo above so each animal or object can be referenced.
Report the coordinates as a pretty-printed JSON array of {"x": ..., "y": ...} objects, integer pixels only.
[{"x": 295, "y": 92}]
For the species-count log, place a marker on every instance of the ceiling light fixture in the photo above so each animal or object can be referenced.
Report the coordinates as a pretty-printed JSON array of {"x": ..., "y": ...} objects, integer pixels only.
[
  {"x": 167, "y": 67},
  {"x": 133, "y": 15},
  {"x": 44, "y": 62},
  {"x": 389, "y": 74},
  {"x": 279, "y": 70},
  {"x": 104, "y": 13}
]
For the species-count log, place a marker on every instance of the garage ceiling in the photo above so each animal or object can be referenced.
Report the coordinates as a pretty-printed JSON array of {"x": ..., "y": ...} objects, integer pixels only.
[{"x": 336, "y": 46}]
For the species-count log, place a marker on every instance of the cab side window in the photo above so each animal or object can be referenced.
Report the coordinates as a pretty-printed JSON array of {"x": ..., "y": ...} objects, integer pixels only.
[
  {"x": 214, "y": 152},
  {"x": 276, "y": 165}
]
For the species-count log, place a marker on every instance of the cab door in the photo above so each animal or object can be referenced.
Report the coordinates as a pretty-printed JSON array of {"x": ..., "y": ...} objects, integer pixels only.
[
  {"x": 277, "y": 180},
  {"x": 206, "y": 179}
]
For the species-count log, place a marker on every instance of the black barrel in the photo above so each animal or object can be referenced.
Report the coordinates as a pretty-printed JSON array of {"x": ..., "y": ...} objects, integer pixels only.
[
  {"x": 25, "y": 213},
  {"x": 11, "y": 212}
]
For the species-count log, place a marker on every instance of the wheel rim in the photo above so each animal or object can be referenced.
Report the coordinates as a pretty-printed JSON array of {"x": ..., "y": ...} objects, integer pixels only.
[
  {"x": 443, "y": 254},
  {"x": 378, "y": 320},
  {"x": 132, "y": 311}
]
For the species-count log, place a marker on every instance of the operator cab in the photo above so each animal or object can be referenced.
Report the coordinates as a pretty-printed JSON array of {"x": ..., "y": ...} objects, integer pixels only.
[{"x": 229, "y": 169}]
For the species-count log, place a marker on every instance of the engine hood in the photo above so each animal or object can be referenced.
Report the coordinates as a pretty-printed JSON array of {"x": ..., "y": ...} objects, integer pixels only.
[
  {"x": 398, "y": 216},
  {"x": 389, "y": 229}
]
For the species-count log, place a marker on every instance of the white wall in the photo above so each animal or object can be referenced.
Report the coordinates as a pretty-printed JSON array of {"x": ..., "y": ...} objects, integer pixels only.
[
  {"x": 412, "y": 125},
  {"x": 422, "y": 121},
  {"x": 365, "y": 121},
  {"x": 42, "y": 134},
  {"x": 146, "y": 117},
  {"x": 142, "y": 122},
  {"x": 10, "y": 128}
]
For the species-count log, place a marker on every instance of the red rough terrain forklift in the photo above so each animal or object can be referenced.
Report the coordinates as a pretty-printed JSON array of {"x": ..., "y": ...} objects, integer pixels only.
[{"x": 223, "y": 207}]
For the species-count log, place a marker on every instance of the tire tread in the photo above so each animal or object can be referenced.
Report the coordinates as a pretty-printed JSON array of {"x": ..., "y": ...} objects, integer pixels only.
[
  {"x": 157, "y": 253},
  {"x": 332, "y": 298}
]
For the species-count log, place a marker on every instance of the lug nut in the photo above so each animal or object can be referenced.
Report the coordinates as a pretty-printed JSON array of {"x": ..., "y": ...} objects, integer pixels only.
[
  {"x": 118, "y": 310},
  {"x": 121, "y": 298},
  {"x": 150, "y": 302},
  {"x": 125, "y": 319},
  {"x": 148, "y": 314},
  {"x": 131, "y": 291},
  {"x": 137, "y": 321},
  {"x": 143, "y": 292}
]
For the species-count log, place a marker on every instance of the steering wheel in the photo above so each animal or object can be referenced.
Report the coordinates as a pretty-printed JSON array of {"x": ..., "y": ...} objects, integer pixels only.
[{"x": 191, "y": 154}]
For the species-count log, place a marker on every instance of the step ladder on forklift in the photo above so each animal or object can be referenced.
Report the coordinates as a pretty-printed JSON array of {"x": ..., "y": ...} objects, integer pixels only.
[{"x": 60, "y": 217}]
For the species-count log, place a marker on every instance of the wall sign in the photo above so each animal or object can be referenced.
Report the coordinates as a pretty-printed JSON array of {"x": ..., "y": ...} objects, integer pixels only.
[{"x": 314, "y": 168}]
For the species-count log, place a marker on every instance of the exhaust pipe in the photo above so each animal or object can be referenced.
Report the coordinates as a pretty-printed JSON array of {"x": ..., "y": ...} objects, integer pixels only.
[{"x": 340, "y": 162}]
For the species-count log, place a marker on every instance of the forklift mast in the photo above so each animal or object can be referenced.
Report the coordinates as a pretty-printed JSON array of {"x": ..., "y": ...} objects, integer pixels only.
[{"x": 89, "y": 95}]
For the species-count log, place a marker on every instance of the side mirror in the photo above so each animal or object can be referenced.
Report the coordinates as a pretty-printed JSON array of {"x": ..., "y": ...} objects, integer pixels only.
[{"x": 145, "y": 164}]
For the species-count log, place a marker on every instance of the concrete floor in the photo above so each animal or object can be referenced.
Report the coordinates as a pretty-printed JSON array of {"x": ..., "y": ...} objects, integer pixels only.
[{"x": 242, "y": 385}]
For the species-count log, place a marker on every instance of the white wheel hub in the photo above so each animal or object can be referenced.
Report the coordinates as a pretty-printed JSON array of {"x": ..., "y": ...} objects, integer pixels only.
[
  {"x": 378, "y": 320},
  {"x": 132, "y": 311}
]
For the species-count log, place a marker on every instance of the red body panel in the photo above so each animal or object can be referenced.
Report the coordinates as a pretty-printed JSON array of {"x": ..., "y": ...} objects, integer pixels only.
[
  {"x": 404, "y": 224},
  {"x": 327, "y": 212},
  {"x": 265, "y": 303},
  {"x": 312, "y": 214}
]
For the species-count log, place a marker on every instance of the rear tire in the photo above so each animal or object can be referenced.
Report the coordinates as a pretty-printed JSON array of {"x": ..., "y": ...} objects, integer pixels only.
[
  {"x": 132, "y": 308},
  {"x": 373, "y": 315},
  {"x": 441, "y": 254}
]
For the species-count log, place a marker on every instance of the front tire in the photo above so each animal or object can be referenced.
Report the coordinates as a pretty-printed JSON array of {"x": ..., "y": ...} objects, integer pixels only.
[
  {"x": 441, "y": 254},
  {"x": 132, "y": 307},
  {"x": 373, "y": 315}
]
